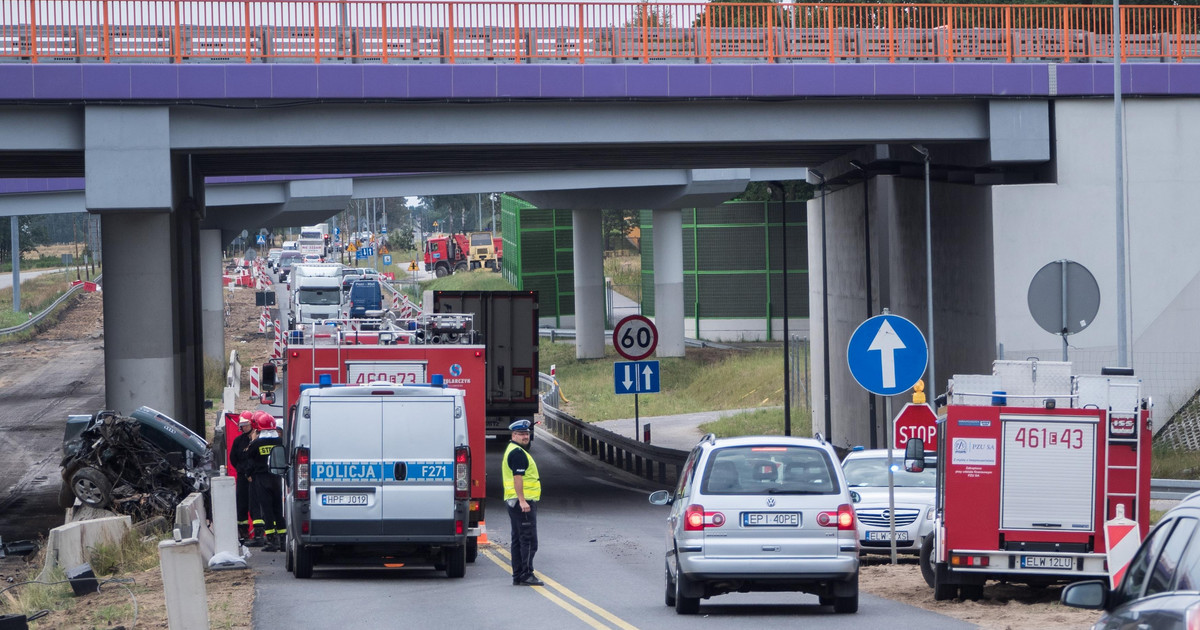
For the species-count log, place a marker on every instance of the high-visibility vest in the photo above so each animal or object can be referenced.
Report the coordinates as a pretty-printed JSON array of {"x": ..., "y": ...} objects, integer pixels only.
[{"x": 532, "y": 485}]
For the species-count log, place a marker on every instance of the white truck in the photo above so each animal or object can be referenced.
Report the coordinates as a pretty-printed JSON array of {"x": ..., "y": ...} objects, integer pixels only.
[
  {"x": 316, "y": 292},
  {"x": 377, "y": 470}
]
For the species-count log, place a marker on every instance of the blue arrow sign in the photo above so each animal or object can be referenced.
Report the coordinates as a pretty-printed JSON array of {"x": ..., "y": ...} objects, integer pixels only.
[
  {"x": 635, "y": 377},
  {"x": 887, "y": 355}
]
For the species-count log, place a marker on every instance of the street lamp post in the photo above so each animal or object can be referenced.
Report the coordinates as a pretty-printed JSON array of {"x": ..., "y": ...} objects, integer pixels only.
[
  {"x": 825, "y": 304},
  {"x": 874, "y": 421},
  {"x": 929, "y": 275},
  {"x": 787, "y": 340},
  {"x": 1122, "y": 325}
]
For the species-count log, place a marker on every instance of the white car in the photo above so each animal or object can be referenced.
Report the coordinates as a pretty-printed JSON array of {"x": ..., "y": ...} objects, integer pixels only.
[{"x": 866, "y": 473}]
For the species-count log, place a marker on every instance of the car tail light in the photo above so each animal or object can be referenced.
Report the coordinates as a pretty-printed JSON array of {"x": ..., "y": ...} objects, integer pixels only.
[
  {"x": 1191, "y": 618},
  {"x": 968, "y": 561},
  {"x": 302, "y": 477},
  {"x": 462, "y": 473},
  {"x": 696, "y": 519},
  {"x": 843, "y": 518},
  {"x": 458, "y": 527}
]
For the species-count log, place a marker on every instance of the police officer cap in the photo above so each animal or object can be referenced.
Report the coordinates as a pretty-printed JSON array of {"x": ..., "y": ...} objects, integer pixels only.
[{"x": 520, "y": 425}]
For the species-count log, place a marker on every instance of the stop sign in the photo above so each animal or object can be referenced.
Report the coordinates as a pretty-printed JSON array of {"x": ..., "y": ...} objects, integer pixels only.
[{"x": 916, "y": 421}]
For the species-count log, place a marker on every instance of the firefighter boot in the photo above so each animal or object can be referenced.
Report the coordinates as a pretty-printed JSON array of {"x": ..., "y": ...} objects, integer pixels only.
[
  {"x": 272, "y": 543},
  {"x": 243, "y": 533},
  {"x": 256, "y": 540}
]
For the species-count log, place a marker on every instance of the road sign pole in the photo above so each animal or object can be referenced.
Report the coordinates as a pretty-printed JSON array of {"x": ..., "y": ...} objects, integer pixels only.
[
  {"x": 636, "y": 420},
  {"x": 887, "y": 409}
]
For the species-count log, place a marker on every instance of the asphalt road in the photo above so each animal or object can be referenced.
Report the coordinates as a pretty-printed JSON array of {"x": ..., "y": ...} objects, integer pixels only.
[
  {"x": 601, "y": 554},
  {"x": 6, "y": 278}
]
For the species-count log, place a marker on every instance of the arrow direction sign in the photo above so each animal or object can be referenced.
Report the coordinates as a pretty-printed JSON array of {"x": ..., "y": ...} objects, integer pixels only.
[
  {"x": 887, "y": 342},
  {"x": 636, "y": 377},
  {"x": 887, "y": 355}
]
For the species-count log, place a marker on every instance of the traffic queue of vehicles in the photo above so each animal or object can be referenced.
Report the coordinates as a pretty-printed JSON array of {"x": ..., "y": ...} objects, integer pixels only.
[{"x": 408, "y": 480}]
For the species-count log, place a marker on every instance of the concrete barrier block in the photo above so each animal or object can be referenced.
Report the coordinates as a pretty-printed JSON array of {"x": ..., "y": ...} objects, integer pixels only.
[
  {"x": 229, "y": 398},
  {"x": 192, "y": 520},
  {"x": 70, "y": 545},
  {"x": 183, "y": 584}
]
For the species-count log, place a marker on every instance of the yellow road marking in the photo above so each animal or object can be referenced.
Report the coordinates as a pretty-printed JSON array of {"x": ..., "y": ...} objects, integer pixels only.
[{"x": 611, "y": 618}]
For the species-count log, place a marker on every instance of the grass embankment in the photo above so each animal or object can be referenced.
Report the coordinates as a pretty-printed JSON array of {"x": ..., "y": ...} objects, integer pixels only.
[
  {"x": 36, "y": 294},
  {"x": 134, "y": 553},
  {"x": 705, "y": 380},
  {"x": 1170, "y": 463}
]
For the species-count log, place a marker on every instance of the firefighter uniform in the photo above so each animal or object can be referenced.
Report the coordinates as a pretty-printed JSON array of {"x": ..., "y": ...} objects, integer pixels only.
[
  {"x": 239, "y": 459},
  {"x": 266, "y": 490}
]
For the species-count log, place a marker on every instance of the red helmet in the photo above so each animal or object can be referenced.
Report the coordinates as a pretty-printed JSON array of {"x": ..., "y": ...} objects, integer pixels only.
[
  {"x": 264, "y": 421},
  {"x": 246, "y": 416}
]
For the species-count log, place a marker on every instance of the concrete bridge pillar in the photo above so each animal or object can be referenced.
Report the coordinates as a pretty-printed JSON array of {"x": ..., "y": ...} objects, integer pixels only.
[
  {"x": 588, "y": 255},
  {"x": 668, "y": 282},
  {"x": 149, "y": 204},
  {"x": 212, "y": 300}
]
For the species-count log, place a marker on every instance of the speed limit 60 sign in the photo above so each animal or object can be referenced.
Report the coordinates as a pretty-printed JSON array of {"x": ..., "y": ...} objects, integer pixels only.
[{"x": 635, "y": 337}]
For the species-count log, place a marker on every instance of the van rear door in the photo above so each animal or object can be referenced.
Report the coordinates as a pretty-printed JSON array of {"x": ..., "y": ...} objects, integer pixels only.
[
  {"x": 347, "y": 465},
  {"x": 418, "y": 445}
]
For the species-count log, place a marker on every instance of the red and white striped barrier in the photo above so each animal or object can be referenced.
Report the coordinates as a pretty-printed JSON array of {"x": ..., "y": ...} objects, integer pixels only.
[
  {"x": 1124, "y": 538},
  {"x": 262, "y": 321},
  {"x": 254, "y": 386},
  {"x": 395, "y": 301}
]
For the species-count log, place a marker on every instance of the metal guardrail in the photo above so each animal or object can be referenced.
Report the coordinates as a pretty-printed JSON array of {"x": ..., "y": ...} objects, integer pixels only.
[
  {"x": 33, "y": 321},
  {"x": 649, "y": 462},
  {"x": 1177, "y": 489}
]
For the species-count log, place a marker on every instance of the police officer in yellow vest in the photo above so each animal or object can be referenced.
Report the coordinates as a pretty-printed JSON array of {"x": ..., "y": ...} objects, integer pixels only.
[{"x": 522, "y": 491}]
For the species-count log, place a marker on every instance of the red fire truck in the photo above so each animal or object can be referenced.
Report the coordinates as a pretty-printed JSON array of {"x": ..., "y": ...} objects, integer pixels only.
[
  {"x": 442, "y": 344},
  {"x": 451, "y": 253},
  {"x": 1032, "y": 461}
]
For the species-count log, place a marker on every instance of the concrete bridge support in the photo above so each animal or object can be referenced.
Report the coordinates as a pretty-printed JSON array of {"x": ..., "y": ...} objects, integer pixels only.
[
  {"x": 588, "y": 256},
  {"x": 212, "y": 297},
  {"x": 962, "y": 254},
  {"x": 668, "y": 282},
  {"x": 149, "y": 203}
]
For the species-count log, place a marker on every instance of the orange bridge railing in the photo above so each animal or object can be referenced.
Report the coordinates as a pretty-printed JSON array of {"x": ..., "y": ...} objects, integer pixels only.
[{"x": 384, "y": 31}]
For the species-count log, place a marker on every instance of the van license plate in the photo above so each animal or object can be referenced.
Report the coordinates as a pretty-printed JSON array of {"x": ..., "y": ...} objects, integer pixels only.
[
  {"x": 886, "y": 535},
  {"x": 1047, "y": 562},
  {"x": 770, "y": 519},
  {"x": 343, "y": 499}
]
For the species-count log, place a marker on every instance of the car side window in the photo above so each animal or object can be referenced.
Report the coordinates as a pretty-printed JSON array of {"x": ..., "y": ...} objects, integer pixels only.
[
  {"x": 1143, "y": 561},
  {"x": 1163, "y": 572},
  {"x": 1189, "y": 567},
  {"x": 685, "y": 477}
]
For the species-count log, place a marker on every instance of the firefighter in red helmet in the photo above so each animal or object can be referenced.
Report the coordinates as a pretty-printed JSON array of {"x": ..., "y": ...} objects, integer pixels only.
[
  {"x": 239, "y": 459},
  {"x": 266, "y": 490}
]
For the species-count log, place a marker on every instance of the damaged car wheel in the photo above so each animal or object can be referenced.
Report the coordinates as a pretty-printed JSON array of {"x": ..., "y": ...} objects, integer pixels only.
[{"x": 92, "y": 487}]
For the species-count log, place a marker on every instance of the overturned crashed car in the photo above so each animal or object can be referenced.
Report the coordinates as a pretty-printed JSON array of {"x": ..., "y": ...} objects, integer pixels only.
[{"x": 142, "y": 465}]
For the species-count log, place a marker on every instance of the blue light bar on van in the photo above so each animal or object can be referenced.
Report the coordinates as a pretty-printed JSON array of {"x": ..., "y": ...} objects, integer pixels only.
[
  {"x": 437, "y": 380},
  {"x": 325, "y": 380}
]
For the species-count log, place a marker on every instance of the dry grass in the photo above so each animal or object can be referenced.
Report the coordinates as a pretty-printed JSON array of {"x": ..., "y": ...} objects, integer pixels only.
[
  {"x": 36, "y": 294},
  {"x": 625, "y": 269}
]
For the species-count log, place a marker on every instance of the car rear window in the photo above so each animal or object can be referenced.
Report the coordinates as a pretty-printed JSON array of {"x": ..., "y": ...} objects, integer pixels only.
[
  {"x": 769, "y": 470},
  {"x": 872, "y": 472}
]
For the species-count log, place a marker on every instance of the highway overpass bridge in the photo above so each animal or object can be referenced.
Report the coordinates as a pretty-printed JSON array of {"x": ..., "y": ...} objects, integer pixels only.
[{"x": 1020, "y": 138}]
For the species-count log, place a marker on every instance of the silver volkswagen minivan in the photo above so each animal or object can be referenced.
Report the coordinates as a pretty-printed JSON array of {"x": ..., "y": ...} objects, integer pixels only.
[{"x": 760, "y": 513}]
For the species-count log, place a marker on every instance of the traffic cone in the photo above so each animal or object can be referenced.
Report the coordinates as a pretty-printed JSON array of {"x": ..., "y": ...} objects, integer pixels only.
[{"x": 483, "y": 539}]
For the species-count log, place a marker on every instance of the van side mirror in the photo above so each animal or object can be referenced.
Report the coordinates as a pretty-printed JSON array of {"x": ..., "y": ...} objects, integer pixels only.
[
  {"x": 660, "y": 497},
  {"x": 268, "y": 377},
  {"x": 914, "y": 455},
  {"x": 277, "y": 461}
]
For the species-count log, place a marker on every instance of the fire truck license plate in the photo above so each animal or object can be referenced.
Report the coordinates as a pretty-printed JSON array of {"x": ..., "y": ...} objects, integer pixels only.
[
  {"x": 1047, "y": 562},
  {"x": 770, "y": 519},
  {"x": 343, "y": 499}
]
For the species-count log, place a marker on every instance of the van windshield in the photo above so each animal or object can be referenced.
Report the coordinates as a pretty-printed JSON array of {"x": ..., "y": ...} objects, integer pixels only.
[{"x": 319, "y": 297}]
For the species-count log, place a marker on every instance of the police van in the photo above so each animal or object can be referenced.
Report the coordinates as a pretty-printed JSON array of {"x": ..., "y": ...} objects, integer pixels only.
[{"x": 376, "y": 470}]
